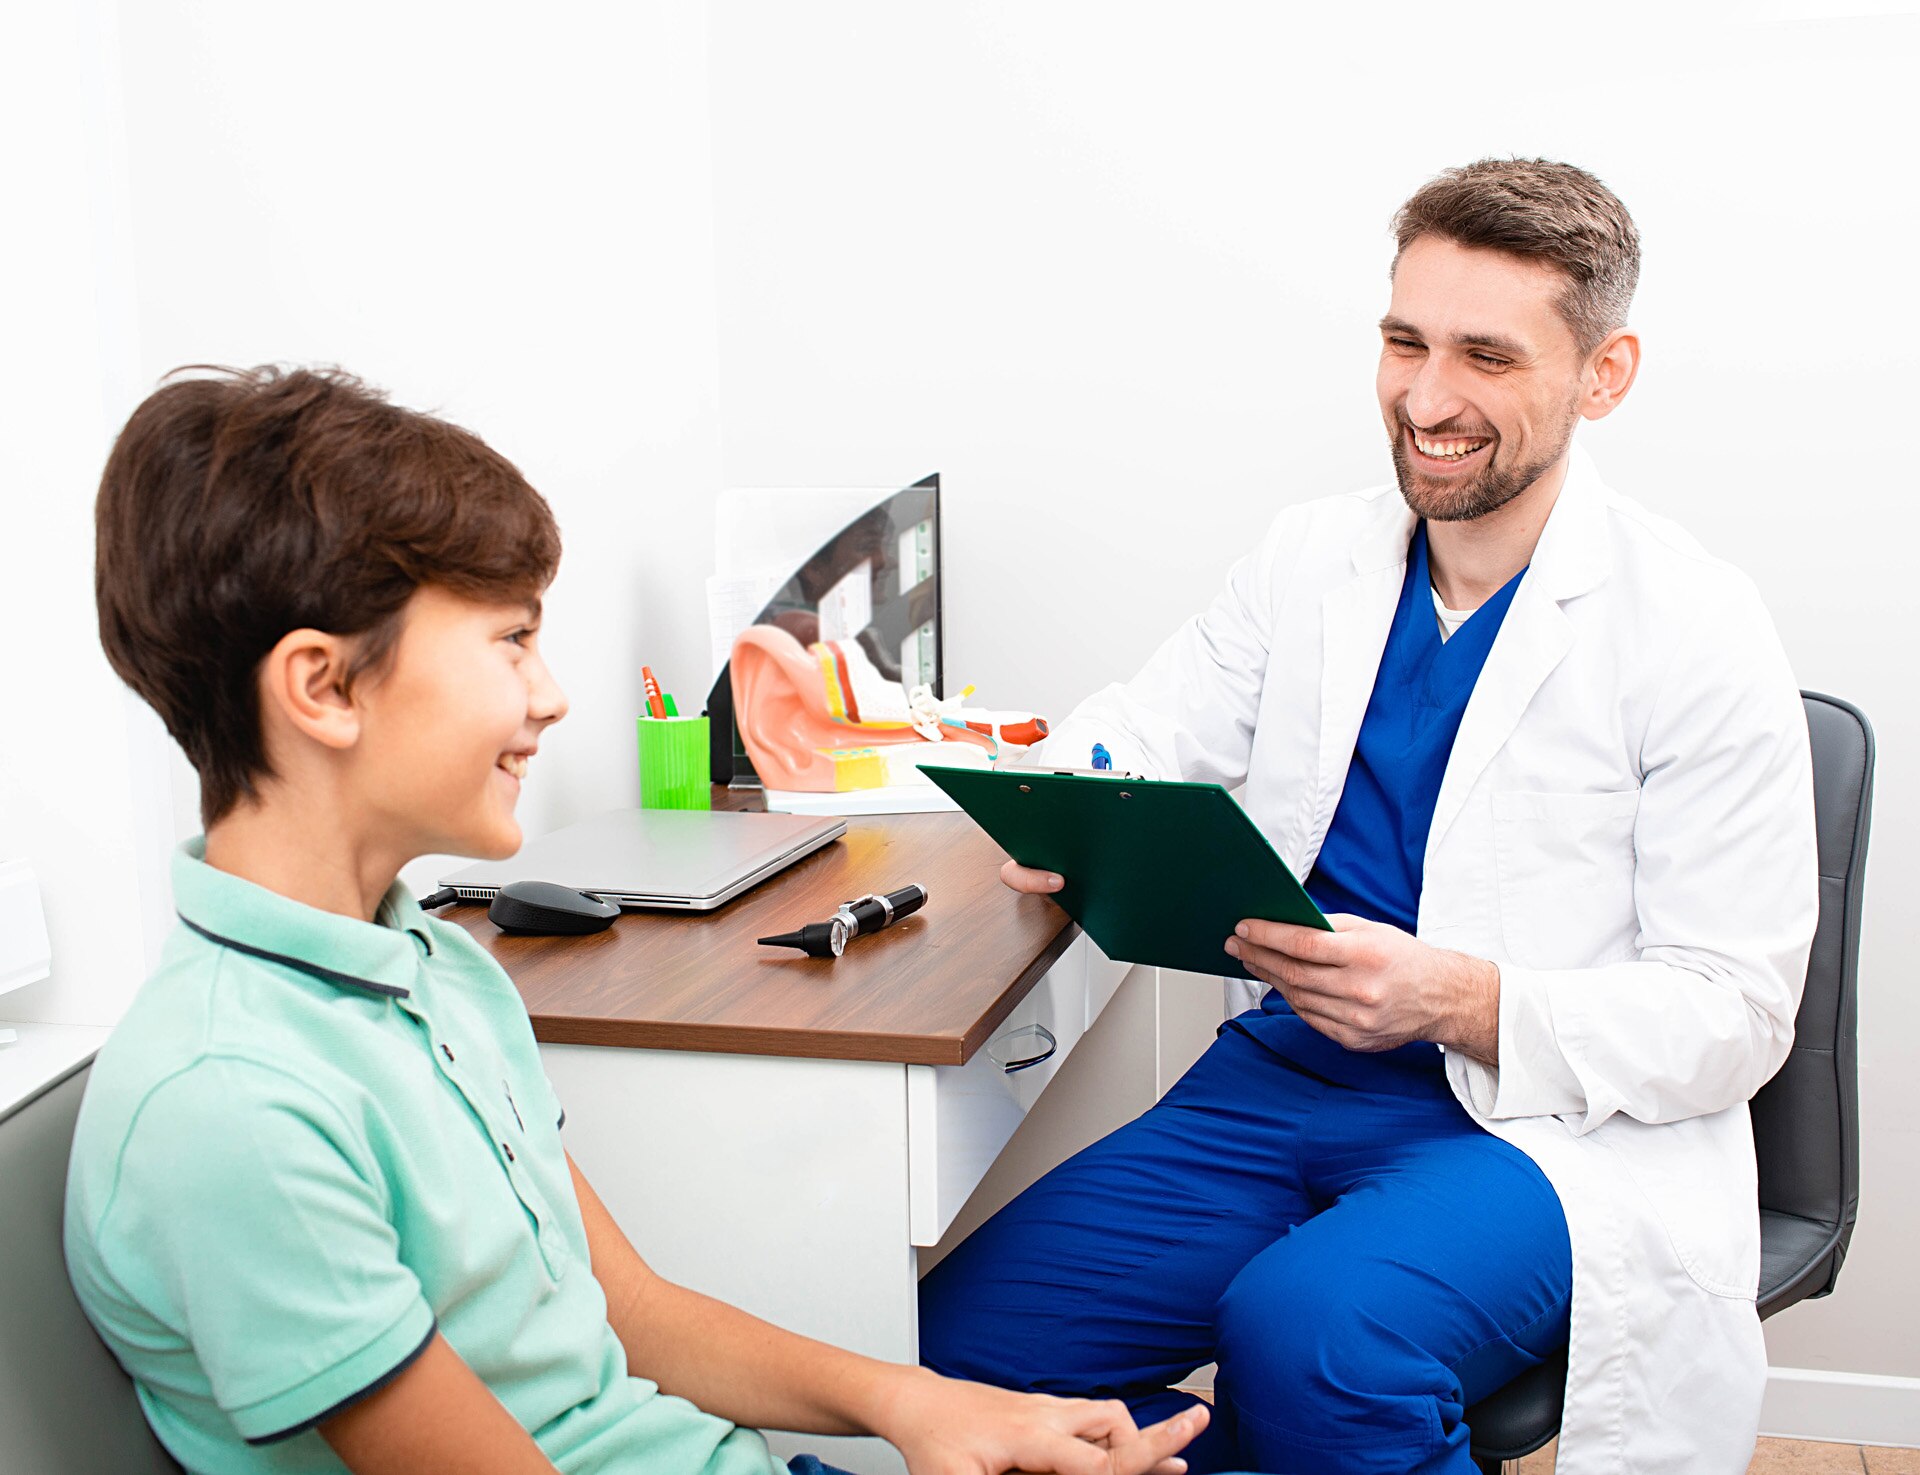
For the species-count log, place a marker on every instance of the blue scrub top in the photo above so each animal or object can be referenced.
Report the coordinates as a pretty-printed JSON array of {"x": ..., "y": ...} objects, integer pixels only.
[{"x": 1374, "y": 857}]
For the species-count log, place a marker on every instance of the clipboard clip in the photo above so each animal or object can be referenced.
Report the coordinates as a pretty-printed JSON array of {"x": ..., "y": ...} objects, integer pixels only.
[{"x": 1049, "y": 772}]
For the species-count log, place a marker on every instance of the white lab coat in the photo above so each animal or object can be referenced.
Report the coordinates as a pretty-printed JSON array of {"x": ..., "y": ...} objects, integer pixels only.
[{"x": 1626, "y": 828}]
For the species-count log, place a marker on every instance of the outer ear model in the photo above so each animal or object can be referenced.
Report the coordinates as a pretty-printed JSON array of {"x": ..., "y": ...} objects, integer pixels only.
[{"x": 788, "y": 727}]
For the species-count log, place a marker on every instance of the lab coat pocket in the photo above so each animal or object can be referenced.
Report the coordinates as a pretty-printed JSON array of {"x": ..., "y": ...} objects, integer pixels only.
[
  {"x": 1699, "y": 1177},
  {"x": 1565, "y": 868}
]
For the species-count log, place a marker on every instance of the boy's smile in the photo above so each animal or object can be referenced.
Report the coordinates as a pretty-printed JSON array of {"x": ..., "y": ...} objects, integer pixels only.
[{"x": 448, "y": 730}]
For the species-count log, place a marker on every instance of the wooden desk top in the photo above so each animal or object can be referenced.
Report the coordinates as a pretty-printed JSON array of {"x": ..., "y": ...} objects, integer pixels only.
[{"x": 928, "y": 990}]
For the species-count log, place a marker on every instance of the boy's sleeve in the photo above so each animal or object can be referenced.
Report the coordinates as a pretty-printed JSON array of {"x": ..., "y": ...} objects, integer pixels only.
[{"x": 248, "y": 1215}]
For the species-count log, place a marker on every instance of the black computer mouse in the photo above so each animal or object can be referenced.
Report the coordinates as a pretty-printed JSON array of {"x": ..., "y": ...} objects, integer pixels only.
[{"x": 544, "y": 909}]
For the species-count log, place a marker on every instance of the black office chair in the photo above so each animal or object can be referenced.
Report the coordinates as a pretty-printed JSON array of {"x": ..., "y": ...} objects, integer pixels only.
[
  {"x": 1806, "y": 1120},
  {"x": 66, "y": 1408}
]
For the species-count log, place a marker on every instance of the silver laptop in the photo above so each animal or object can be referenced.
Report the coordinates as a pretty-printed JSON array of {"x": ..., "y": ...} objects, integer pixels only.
[{"x": 688, "y": 860}]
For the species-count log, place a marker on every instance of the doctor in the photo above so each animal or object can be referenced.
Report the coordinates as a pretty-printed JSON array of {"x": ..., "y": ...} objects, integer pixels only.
[{"x": 1542, "y": 760}]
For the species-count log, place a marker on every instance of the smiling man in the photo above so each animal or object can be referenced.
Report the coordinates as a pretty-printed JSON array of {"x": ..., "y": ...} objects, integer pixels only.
[{"x": 1541, "y": 760}]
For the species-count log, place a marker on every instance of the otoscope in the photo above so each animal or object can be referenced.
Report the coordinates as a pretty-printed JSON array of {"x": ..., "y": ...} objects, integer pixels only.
[{"x": 856, "y": 918}]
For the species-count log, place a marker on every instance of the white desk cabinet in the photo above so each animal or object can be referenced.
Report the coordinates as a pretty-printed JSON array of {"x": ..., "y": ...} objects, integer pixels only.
[{"x": 802, "y": 1189}]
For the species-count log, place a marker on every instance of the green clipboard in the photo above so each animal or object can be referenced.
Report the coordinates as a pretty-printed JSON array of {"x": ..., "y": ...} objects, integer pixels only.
[{"x": 1156, "y": 872}]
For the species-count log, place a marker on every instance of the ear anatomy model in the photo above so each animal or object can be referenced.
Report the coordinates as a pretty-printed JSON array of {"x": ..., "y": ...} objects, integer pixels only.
[{"x": 823, "y": 719}]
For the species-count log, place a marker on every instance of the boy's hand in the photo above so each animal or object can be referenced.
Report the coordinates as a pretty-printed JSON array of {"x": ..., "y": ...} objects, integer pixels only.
[{"x": 947, "y": 1427}]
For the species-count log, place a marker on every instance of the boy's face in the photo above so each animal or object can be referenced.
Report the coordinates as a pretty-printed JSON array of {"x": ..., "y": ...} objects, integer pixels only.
[{"x": 447, "y": 729}]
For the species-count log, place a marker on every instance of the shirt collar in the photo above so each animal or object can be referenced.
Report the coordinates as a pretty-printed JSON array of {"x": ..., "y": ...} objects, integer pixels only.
[{"x": 381, "y": 956}]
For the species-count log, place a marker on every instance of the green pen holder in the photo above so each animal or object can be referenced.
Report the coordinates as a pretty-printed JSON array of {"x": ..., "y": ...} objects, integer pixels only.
[{"x": 673, "y": 763}]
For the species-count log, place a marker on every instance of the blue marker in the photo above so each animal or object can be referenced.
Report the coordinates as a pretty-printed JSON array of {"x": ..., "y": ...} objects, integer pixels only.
[{"x": 1102, "y": 759}]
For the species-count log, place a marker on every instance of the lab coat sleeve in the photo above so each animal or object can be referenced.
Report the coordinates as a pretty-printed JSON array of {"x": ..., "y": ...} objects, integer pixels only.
[
  {"x": 1726, "y": 892},
  {"x": 1189, "y": 714}
]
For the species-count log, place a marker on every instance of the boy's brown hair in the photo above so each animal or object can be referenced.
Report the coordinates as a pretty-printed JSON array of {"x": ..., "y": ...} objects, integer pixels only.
[
  {"x": 239, "y": 505},
  {"x": 1555, "y": 213}
]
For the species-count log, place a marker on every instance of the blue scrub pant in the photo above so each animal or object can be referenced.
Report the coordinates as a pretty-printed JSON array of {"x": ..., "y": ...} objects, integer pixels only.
[{"x": 1362, "y": 1263}]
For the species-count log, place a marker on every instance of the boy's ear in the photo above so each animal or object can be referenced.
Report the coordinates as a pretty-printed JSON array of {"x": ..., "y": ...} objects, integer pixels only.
[{"x": 303, "y": 681}]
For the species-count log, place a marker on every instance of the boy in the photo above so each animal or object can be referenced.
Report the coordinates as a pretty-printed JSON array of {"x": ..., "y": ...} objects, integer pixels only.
[{"x": 318, "y": 1205}]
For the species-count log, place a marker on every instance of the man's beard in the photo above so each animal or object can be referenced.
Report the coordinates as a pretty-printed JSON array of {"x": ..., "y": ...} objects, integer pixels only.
[{"x": 1492, "y": 489}]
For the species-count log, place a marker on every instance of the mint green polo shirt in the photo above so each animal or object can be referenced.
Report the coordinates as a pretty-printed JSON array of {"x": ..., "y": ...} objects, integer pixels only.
[{"x": 314, "y": 1141}]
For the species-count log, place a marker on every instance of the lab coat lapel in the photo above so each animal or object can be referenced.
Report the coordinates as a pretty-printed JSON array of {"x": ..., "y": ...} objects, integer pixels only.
[
  {"x": 1533, "y": 639},
  {"x": 1571, "y": 557},
  {"x": 1355, "y": 618}
]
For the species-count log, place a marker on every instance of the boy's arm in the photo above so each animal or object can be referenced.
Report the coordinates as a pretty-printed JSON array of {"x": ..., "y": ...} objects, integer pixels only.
[
  {"x": 435, "y": 1418},
  {"x": 748, "y": 1371}
]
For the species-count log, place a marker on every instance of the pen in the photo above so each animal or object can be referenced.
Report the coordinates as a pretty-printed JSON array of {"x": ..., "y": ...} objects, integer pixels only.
[
  {"x": 654, "y": 705},
  {"x": 1102, "y": 759}
]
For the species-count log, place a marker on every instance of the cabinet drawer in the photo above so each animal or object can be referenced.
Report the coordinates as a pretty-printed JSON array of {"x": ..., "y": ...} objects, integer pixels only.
[
  {"x": 1104, "y": 977},
  {"x": 959, "y": 1117}
]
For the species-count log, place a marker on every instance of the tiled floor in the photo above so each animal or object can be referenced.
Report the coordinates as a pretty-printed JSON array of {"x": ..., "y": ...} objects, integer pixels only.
[
  {"x": 1773, "y": 1457},
  {"x": 1795, "y": 1457}
]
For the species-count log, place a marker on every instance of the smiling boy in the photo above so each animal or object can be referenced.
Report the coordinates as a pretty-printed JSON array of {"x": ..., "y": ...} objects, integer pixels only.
[{"x": 318, "y": 1205}]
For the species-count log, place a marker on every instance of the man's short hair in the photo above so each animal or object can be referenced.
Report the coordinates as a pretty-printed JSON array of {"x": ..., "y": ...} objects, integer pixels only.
[
  {"x": 1543, "y": 211},
  {"x": 239, "y": 505}
]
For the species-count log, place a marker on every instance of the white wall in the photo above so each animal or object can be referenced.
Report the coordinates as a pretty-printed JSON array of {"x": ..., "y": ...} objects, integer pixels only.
[
  {"x": 1112, "y": 270},
  {"x": 503, "y": 220},
  {"x": 69, "y": 737}
]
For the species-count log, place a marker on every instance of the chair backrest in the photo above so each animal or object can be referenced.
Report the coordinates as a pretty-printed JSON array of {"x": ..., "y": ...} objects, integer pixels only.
[
  {"x": 1806, "y": 1120},
  {"x": 65, "y": 1403}
]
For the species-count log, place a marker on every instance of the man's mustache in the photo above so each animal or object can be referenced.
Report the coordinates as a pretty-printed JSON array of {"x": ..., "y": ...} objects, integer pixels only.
[{"x": 1445, "y": 429}]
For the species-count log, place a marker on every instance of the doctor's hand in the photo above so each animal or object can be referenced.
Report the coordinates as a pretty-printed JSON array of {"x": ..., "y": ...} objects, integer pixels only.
[
  {"x": 1370, "y": 987},
  {"x": 1025, "y": 878},
  {"x": 944, "y": 1426}
]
